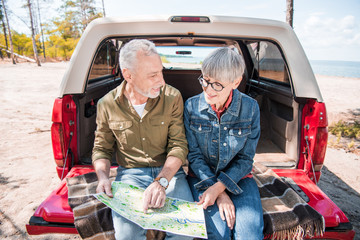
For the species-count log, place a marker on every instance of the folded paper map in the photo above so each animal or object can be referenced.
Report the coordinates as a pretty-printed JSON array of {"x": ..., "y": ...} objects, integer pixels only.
[{"x": 177, "y": 216}]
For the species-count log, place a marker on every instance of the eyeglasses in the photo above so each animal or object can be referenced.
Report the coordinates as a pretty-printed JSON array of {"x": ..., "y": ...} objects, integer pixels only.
[{"x": 215, "y": 85}]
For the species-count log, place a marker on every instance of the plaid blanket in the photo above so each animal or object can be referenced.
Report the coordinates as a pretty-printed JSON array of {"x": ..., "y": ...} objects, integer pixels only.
[{"x": 286, "y": 214}]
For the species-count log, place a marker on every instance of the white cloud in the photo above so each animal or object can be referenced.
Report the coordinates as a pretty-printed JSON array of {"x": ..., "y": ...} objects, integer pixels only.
[{"x": 318, "y": 31}]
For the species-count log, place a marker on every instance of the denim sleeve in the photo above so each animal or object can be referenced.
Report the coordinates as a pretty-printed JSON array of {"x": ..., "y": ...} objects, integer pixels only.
[
  {"x": 196, "y": 159},
  {"x": 241, "y": 164}
]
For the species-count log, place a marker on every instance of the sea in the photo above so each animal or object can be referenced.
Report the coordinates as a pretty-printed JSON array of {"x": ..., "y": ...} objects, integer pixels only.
[
  {"x": 336, "y": 68},
  {"x": 349, "y": 69}
]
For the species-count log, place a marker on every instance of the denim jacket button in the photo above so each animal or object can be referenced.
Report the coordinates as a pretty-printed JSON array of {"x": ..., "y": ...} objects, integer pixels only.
[
  {"x": 239, "y": 132},
  {"x": 224, "y": 144},
  {"x": 225, "y": 128}
]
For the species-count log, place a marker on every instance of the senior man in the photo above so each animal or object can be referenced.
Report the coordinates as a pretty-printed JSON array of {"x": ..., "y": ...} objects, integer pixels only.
[{"x": 143, "y": 119}]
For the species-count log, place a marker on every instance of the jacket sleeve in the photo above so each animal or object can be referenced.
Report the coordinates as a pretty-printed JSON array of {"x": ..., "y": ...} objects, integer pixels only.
[
  {"x": 242, "y": 163},
  {"x": 196, "y": 159},
  {"x": 177, "y": 144},
  {"x": 104, "y": 137}
]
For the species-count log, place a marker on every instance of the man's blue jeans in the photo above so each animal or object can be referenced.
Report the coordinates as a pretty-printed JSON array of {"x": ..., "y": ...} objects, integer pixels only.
[
  {"x": 249, "y": 221},
  {"x": 143, "y": 177}
]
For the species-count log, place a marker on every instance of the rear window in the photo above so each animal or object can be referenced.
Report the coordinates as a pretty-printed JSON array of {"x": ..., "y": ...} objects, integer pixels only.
[
  {"x": 268, "y": 61},
  {"x": 105, "y": 61},
  {"x": 183, "y": 57}
]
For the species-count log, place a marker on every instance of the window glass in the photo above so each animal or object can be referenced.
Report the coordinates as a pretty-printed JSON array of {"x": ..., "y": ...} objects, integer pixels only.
[
  {"x": 183, "y": 57},
  {"x": 105, "y": 61},
  {"x": 268, "y": 61}
]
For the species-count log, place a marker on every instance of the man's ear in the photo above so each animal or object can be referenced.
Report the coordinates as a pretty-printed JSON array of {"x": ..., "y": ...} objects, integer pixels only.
[
  {"x": 126, "y": 74},
  {"x": 237, "y": 82}
]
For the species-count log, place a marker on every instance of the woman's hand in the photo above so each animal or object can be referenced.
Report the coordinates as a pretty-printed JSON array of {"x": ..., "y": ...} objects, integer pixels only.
[
  {"x": 226, "y": 209},
  {"x": 209, "y": 197}
]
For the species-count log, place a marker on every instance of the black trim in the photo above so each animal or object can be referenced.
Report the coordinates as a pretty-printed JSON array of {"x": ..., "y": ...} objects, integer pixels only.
[
  {"x": 342, "y": 227},
  {"x": 39, "y": 221}
]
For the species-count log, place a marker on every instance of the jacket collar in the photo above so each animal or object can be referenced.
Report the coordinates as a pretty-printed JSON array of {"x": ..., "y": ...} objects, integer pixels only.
[{"x": 233, "y": 109}]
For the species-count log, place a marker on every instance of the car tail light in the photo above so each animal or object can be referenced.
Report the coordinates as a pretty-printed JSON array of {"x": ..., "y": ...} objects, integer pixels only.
[
  {"x": 63, "y": 134},
  {"x": 200, "y": 19},
  {"x": 314, "y": 137}
]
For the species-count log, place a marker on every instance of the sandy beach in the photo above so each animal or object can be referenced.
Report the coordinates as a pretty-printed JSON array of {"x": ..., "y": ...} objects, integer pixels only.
[{"x": 27, "y": 168}]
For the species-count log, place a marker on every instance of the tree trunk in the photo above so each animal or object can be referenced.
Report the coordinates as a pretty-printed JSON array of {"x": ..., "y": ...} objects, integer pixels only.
[
  {"x": 5, "y": 35},
  {"x": 9, "y": 30},
  {"x": 290, "y": 12},
  {"x": 41, "y": 30},
  {"x": 103, "y": 8},
  {"x": 33, "y": 35}
]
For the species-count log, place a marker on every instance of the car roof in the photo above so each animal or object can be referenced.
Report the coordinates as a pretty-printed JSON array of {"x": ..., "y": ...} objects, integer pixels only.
[{"x": 303, "y": 81}]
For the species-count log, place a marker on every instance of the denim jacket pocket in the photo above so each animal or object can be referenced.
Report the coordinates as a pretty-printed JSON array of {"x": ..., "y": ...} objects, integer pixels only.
[
  {"x": 119, "y": 128},
  {"x": 238, "y": 136},
  {"x": 202, "y": 131}
]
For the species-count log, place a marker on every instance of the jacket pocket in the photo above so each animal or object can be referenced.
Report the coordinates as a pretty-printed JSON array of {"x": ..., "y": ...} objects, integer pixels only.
[
  {"x": 119, "y": 129},
  {"x": 238, "y": 135},
  {"x": 202, "y": 132},
  {"x": 160, "y": 128}
]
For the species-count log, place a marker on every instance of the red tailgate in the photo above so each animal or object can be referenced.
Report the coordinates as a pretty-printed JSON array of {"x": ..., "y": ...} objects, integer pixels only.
[
  {"x": 336, "y": 223},
  {"x": 54, "y": 215}
]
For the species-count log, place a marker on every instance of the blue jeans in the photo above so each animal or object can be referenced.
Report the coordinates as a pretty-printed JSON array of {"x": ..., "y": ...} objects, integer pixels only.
[
  {"x": 143, "y": 177},
  {"x": 249, "y": 221}
]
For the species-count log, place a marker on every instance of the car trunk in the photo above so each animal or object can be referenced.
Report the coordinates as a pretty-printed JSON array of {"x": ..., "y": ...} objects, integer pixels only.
[
  {"x": 54, "y": 215},
  {"x": 278, "y": 148}
]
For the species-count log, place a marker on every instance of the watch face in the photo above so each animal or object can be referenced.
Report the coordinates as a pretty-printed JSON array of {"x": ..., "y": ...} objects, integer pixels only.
[{"x": 163, "y": 182}]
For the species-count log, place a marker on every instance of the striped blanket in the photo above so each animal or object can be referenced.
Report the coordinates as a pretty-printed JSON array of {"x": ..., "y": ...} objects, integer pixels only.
[{"x": 286, "y": 214}]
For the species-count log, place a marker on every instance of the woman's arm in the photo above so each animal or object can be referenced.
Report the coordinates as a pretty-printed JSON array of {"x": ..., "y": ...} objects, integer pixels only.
[{"x": 196, "y": 158}]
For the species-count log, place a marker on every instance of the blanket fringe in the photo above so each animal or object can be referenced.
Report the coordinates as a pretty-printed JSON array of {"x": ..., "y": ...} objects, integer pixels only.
[{"x": 299, "y": 232}]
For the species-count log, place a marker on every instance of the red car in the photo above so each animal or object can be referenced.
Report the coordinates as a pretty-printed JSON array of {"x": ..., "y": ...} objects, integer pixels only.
[{"x": 278, "y": 75}]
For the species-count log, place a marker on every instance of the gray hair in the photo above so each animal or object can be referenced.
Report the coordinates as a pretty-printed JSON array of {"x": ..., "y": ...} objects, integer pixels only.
[
  {"x": 129, "y": 51},
  {"x": 223, "y": 64}
]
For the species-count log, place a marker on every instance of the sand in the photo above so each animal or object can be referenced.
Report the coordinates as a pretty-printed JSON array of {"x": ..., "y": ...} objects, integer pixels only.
[{"x": 27, "y": 168}]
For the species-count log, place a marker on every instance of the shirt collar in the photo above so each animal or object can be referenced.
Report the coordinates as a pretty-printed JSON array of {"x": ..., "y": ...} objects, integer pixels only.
[
  {"x": 233, "y": 107},
  {"x": 226, "y": 105},
  {"x": 120, "y": 90}
]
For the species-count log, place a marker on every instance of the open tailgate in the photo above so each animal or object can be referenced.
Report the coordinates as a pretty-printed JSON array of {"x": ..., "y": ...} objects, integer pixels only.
[
  {"x": 337, "y": 226},
  {"x": 54, "y": 215}
]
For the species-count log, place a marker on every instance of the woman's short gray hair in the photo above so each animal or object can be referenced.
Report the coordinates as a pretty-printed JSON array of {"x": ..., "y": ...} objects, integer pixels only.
[
  {"x": 223, "y": 64},
  {"x": 129, "y": 51}
]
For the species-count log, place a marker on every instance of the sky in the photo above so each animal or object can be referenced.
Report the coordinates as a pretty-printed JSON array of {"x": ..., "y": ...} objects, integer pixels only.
[{"x": 327, "y": 29}]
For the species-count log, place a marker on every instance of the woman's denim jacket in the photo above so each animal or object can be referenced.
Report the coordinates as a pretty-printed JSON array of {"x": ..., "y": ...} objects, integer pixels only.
[{"x": 222, "y": 151}]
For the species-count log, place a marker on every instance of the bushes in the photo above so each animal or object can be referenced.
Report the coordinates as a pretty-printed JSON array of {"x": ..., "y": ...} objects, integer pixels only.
[{"x": 351, "y": 129}]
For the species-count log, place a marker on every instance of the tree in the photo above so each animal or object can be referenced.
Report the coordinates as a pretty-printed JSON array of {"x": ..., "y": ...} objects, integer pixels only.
[
  {"x": 289, "y": 12},
  {"x": 4, "y": 29},
  {"x": 33, "y": 34},
  {"x": 9, "y": 31},
  {"x": 41, "y": 30}
]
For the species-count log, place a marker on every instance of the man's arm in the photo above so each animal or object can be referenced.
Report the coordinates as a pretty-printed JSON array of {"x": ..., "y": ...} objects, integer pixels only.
[
  {"x": 102, "y": 169},
  {"x": 154, "y": 195}
]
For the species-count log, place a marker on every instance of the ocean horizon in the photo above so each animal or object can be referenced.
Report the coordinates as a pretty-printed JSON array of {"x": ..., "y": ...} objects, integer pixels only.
[{"x": 336, "y": 68}]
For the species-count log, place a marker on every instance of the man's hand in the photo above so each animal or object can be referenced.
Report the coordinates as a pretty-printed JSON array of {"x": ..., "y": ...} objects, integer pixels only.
[
  {"x": 104, "y": 186},
  {"x": 102, "y": 169},
  {"x": 154, "y": 196},
  {"x": 226, "y": 209},
  {"x": 209, "y": 197}
]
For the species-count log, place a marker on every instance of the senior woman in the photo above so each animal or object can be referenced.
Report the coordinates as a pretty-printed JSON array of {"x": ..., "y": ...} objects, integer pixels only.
[{"x": 222, "y": 129}]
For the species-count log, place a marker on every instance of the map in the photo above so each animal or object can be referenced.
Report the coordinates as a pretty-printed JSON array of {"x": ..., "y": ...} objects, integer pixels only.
[{"x": 177, "y": 216}]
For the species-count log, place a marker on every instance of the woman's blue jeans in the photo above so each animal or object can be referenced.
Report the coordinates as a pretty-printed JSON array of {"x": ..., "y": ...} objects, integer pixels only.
[
  {"x": 143, "y": 177},
  {"x": 249, "y": 221}
]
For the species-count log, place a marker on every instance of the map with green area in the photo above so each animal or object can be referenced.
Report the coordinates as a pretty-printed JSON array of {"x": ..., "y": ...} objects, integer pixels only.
[{"x": 177, "y": 216}]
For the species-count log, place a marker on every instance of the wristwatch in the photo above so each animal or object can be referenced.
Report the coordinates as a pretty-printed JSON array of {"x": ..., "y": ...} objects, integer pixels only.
[{"x": 162, "y": 181}]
